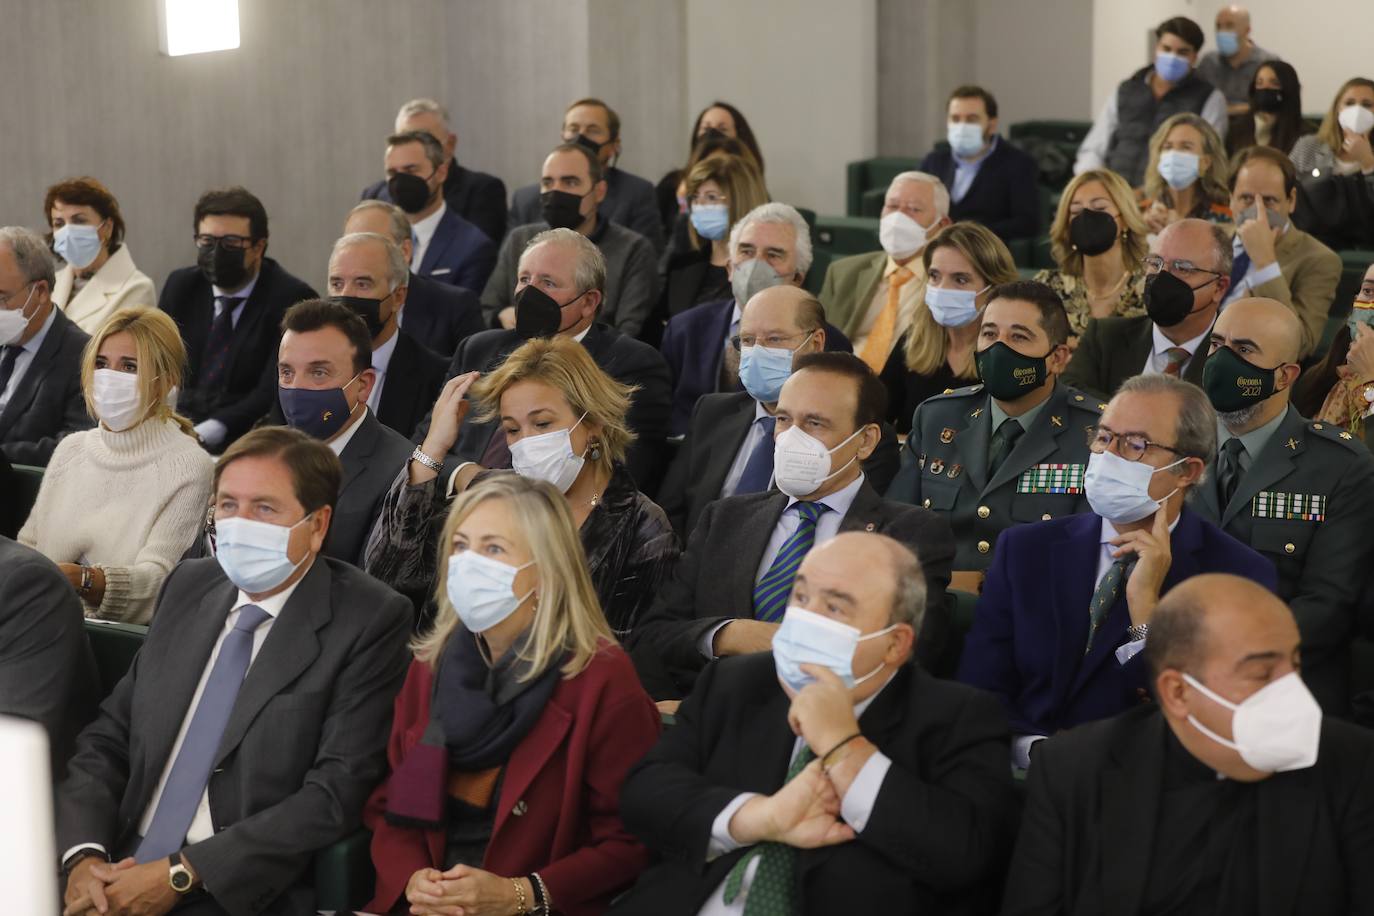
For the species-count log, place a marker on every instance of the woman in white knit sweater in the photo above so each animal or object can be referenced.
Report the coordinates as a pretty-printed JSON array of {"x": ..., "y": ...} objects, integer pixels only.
[{"x": 120, "y": 503}]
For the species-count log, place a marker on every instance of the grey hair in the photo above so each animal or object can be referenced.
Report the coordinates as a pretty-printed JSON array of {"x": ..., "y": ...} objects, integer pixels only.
[
  {"x": 421, "y": 106},
  {"x": 591, "y": 263},
  {"x": 400, "y": 226},
  {"x": 1195, "y": 434},
  {"x": 781, "y": 214},
  {"x": 31, "y": 254},
  {"x": 1221, "y": 242},
  {"x": 398, "y": 272},
  {"x": 909, "y": 592},
  {"x": 937, "y": 187}
]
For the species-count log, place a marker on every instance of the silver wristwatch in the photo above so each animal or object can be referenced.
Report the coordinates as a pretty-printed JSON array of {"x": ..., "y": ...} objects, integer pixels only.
[
  {"x": 1138, "y": 631},
  {"x": 427, "y": 461}
]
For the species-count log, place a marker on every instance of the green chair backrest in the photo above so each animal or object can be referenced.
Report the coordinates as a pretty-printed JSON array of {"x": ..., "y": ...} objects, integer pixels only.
[
  {"x": 872, "y": 174},
  {"x": 114, "y": 646},
  {"x": 27, "y": 480},
  {"x": 344, "y": 877}
]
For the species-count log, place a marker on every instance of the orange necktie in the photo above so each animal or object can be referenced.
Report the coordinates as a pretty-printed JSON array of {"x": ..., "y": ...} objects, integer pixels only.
[{"x": 878, "y": 346}]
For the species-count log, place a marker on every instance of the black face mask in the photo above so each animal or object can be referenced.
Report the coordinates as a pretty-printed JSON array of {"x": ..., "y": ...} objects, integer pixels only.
[
  {"x": 711, "y": 133},
  {"x": 409, "y": 192},
  {"x": 1092, "y": 232},
  {"x": 537, "y": 314},
  {"x": 561, "y": 209},
  {"x": 1234, "y": 384},
  {"x": 1008, "y": 375},
  {"x": 1266, "y": 100},
  {"x": 369, "y": 310},
  {"x": 584, "y": 141},
  {"x": 1168, "y": 300},
  {"x": 223, "y": 267}
]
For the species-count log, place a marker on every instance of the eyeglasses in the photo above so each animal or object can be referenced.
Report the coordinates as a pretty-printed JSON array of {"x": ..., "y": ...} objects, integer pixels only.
[
  {"x": 1154, "y": 264},
  {"x": 709, "y": 199},
  {"x": 1131, "y": 446},
  {"x": 772, "y": 342},
  {"x": 227, "y": 242}
]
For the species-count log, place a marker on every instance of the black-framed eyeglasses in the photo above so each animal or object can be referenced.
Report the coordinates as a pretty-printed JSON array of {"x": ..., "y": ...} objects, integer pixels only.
[
  {"x": 1131, "y": 446},
  {"x": 1178, "y": 267},
  {"x": 227, "y": 242}
]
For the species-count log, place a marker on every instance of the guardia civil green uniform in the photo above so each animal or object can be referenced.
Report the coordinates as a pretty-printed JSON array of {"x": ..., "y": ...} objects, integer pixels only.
[{"x": 945, "y": 466}]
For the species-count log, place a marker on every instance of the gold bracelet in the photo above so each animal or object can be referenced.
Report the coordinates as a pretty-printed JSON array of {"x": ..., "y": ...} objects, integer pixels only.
[{"x": 520, "y": 906}]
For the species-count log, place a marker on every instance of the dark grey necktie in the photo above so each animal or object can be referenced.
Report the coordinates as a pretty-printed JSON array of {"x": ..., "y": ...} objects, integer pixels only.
[{"x": 1229, "y": 470}]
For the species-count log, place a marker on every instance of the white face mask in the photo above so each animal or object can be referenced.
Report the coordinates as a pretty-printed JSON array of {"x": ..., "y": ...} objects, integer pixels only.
[
  {"x": 115, "y": 395},
  {"x": 1275, "y": 729},
  {"x": 13, "y": 322},
  {"x": 807, "y": 638},
  {"x": 1119, "y": 490},
  {"x": 900, "y": 235},
  {"x": 1356, "y": 118},
  {"x": 548, "y": 457},
  {"x": 801, "y": 462}
]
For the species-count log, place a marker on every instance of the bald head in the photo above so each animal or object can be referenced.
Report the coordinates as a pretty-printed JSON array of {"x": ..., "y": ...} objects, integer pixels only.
[
  {"x": 1234, "y": 18},
  {"x": 1196, "y": 240},
  {"x": 1272, "y": 330},
  {"x": 1213, "y": 617},
  {"x": 781, "y": 311},
  {"x": 880, "y": 574}
]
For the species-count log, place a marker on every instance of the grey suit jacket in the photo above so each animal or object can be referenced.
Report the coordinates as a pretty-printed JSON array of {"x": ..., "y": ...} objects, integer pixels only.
[
  {"x": 1112, "y": 350},
  {"x": 47, "y": 673},
  {"x": 714, "y": 579},
  {"x": 370, "y": 461},
  {"x": 47, "y": 403},
  {"x": 304, "y": 747}
]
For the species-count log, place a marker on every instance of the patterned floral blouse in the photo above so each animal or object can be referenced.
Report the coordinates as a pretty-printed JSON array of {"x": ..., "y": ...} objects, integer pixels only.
[{"x": 1074, "y": 292}]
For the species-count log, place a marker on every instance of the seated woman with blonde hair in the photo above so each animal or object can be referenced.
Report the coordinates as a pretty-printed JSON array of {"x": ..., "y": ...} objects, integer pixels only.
[
  {"x": 563, "y": 419},
  {"x": 120, "y": 503},
  {"x": 518, "y": 721}
]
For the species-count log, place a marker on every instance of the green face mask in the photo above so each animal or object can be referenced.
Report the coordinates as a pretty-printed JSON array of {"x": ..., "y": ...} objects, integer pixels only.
[
  {"x": 1008, "y": 375},
  {"x": 1232, "y": 383}
]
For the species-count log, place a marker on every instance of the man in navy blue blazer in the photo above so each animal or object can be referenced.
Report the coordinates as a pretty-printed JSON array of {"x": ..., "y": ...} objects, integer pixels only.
[
  {"x": 448, "y": 248},
  {"x": 1066, "y": 606},
  {"x": 989, "y": 180}
]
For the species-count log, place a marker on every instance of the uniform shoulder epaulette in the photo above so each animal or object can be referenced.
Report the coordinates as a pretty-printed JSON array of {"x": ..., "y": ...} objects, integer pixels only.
[
  {"x": 1336, "y": 433},
  {"x": 1084, "y": 401},
  {"x": 957, "y": 392}
]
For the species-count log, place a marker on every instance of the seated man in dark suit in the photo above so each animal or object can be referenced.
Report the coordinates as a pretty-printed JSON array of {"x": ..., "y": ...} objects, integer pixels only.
[
  {"x": 367, "y": 273},
  {"x": 773, "y": 240},
  {"x": 629, "y": 201},
  {"x": 447, "y": 247},
  {"x": 562, "y": 282},
  {"x": 1067, "y": 603},
  {"x": 440, "y": 315},
  {"x": 477, "y": 197},
  {"x": 728, "y": 450},
  {"x": 831, "y": 775},
  {"x": 325, "y": 381},
  {"x": 1229, "y": 794},
  {"x": 228, "y": 308},
  {"x": 989, "y": 180},
  {"x": 730, "y": 586},
  {"x": 47, "y": 673},
  {"x": 1189, "y": 271},
  {"x": 41, "y": 398},
  {"x": 1010, "y": 449},
  {"x": 252, "y": 726},
  {"x": 573, "y": 182}
]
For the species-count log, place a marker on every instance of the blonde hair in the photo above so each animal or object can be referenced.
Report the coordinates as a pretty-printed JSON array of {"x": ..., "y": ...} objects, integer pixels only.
[
  {"x": 568, "y": 620},
  {"x": 738, "y": 178},
  {"x": 927, "y": 344},
  {"x": 1134, "y": 245},
  {"x": 1331, "y": 133},
  {"x": 564, "y": 365},
  {"x": 1213, "y": 181},
  {"x": 161, "y": 360}
]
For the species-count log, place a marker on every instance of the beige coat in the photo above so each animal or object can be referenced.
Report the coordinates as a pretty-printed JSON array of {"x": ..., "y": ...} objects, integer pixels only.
[
  {"x": 116, "y": 284},
  {"x": 1311, "y": 272}
]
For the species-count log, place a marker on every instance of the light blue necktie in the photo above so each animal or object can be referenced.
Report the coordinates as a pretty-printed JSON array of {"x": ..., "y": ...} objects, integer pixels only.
[
  {"x": 191, "y": 772},
  {"x": 758, "y": 470}
]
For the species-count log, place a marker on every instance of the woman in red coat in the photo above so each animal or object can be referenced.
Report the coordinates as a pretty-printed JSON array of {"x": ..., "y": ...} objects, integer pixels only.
[{"x": 517, "y": 723}]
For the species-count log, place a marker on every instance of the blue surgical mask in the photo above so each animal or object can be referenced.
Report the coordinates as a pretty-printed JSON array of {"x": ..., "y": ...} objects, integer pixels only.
[
  {"x": 807, "y": 638},
  {"x": 253, "y": 554},
  {"x": 1178, "y": 168},
  {"x": 763, "y": 370},
  {"x": 481, "y": 590},
  {"x": 711, "y": 220},
  {"x": 1228, "y": 43},
  {"x": 77, "y": 245},
  {"x": 964, "y": 139},
  {"x": 952, "y": 308},
  {"x": 319, "y": 412},
  {"x": 1171, "y": 67}
]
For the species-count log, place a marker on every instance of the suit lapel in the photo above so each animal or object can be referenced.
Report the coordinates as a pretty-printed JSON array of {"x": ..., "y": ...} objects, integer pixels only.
[
  {"x": 1272, "y": 464},
  {"x": 359, "y": 450},
  {"x": 971, "y": 443},
  {"x": 728, "y": 436},
  {"x": 750, "y": 540},
  {"x": 290, "y": 647},
  {"x": 864, "y": 512},
  {"x": 715, "y": 342},
  {"x": 1075, "y": 578},
  {"x": 529, "y": 757},
  {"x": 438, "y": 245},
  {"x": 1129, "y": 804},
  {"x": 254, "y": 312},
  {"x": 399, "y": 390},
  {"x": 866, "y": 280},
  {"x": 1285, "y": 820},
  {"x": 1133, "y": 357},
  {"x": 27, "y": 388}
]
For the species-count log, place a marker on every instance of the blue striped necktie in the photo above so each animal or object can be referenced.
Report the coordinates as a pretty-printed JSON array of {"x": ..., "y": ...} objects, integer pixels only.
[{"x": 772, "y": 591}]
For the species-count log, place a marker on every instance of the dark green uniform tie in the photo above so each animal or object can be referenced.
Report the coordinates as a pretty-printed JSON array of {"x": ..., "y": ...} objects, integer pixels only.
[
  {"x": 1003, "y": 441},
  {"x": 773, "y": 891}
]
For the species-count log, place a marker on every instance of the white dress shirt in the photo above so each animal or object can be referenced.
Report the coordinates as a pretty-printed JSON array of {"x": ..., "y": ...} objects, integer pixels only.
[
  {"x": 1092, "y": 153},
  {"x": 424, "y": 234},
  {"x": 381, "y": 359},
  {"x": 202, "y": 825},
  {"x": 212, "y": 432},
  {"x": 27, "y": 352},
  {"x": 338, "y": 445},
  {"x": 1253, "y": 277},
  {"x": 751, "y": 439},
  {"x": 855, "y": 809},
  {"x": 1158, "y": 358}
]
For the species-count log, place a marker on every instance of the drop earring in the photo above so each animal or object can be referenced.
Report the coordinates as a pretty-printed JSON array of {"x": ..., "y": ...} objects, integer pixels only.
[{"x": 594, "y": 451}]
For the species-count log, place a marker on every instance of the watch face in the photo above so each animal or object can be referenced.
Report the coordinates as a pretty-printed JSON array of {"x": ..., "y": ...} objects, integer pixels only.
[{"x": 181, "y": 881}]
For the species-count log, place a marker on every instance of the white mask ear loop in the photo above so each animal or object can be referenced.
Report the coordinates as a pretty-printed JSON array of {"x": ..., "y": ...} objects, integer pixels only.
[
  {"x": 874, "y": 635},
  {"x": 1220, "y": 701}
]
